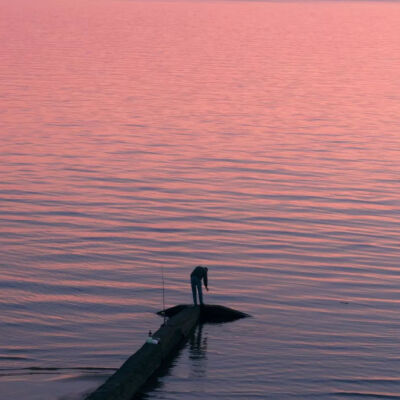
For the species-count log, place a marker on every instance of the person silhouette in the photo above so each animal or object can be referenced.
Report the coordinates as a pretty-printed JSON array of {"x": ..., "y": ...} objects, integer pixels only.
[{"x": 198, "y": 274}]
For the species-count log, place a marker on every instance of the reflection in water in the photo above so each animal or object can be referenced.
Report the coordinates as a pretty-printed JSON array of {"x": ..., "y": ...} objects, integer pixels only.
[{"x": 198, "y": 353}]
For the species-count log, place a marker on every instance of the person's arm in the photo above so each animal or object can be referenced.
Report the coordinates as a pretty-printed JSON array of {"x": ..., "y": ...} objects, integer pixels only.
[{"x": 205, "y": 280}]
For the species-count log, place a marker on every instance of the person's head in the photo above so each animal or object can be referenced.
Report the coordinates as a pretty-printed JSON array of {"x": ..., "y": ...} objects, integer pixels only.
[{"x": 206, "y": 269}]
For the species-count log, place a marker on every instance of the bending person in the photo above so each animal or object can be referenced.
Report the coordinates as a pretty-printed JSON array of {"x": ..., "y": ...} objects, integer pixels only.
[{"x": 196, "y": 276}]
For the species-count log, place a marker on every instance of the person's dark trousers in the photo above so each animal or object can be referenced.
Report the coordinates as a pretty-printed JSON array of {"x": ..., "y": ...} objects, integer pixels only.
[{"x": 196, "y": 286}]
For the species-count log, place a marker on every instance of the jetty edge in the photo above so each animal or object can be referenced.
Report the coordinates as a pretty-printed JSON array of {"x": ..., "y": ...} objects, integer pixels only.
[{"x": 138, "y": 368}]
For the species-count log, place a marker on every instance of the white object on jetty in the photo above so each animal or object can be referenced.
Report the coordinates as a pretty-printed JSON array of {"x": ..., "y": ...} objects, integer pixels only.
[{"x": 152, "y": 340}]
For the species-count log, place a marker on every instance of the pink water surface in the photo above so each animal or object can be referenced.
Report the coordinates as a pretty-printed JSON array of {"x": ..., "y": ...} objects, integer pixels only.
[{"x": 261, "y": 139}]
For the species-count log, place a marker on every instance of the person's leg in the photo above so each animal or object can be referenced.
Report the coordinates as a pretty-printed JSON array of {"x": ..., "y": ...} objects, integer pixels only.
[
  {"x": 199, "y": 288},
  {"x": 193, "y": 283}
]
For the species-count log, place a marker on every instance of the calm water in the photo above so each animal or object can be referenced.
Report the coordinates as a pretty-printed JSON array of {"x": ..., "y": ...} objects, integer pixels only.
[{"x": 260, "y": 139}]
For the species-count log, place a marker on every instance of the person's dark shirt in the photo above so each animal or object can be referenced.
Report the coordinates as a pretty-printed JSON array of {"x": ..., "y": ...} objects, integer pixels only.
[{"x": 201, "y": 273}]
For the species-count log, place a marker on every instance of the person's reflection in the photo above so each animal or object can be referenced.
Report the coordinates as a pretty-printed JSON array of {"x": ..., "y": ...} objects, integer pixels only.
[{"x": 198, "y": 353}]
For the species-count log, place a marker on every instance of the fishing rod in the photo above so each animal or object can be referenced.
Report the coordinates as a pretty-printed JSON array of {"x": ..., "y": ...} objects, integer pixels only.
[{"x": 163, "y": 292}]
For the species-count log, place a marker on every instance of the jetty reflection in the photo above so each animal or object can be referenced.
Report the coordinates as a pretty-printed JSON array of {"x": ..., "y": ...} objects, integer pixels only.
[{"x": 198, "y": 352}]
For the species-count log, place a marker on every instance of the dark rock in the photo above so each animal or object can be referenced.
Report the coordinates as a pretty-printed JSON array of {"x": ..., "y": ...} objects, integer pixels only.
[{"x": 208, "y": 313}]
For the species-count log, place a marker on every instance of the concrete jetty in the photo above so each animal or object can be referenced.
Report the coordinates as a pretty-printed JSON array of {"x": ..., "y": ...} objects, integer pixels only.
[{"x": 135, "y": 371}]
